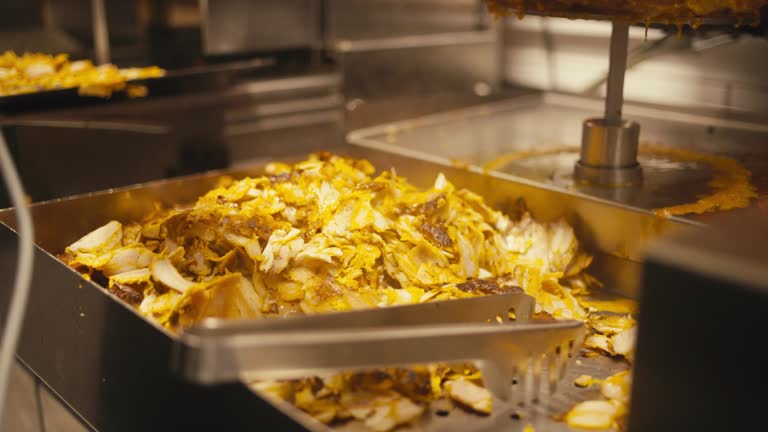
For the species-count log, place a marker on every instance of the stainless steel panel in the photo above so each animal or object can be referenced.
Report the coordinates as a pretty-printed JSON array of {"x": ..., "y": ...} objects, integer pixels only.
[
  {"x": 56, "y": 416},
  {"x": 241, "y": 26},
  {"x": 75, "y": 17},
  {"x": 22, "y": 410},
  {"x": 351, "y": 20},
  {"x": 693, "y": 372},
  {"x": 428, "y": 64},
  {"x": 704, "y": 68},
  {"x": 390, "y": 48},
  {"x": 90, "y": 157}
]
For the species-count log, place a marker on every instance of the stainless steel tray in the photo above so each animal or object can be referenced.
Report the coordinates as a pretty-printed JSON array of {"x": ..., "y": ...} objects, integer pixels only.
[
  {"x": 540, "y": 122},
  {"x": 112, "y": 366}
]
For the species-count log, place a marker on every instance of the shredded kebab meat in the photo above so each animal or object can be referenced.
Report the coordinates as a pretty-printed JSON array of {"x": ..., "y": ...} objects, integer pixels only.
[
  {"x": 37, "y": 72},
  {"x": 327, "y": 235},
  {"x": 650, "y": 11}
]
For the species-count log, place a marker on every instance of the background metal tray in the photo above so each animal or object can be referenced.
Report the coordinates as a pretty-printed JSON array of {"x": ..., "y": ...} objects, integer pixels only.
[
  {"x": 174, "y": 82},
  {"x": 111, "y": 366}
]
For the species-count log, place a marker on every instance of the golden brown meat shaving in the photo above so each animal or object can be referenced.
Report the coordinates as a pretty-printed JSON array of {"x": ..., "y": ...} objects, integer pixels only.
[
  {"x": 325, "y": 235},
  {"x": 650, "y": 11},
  {"x": 607, "y": 413}
]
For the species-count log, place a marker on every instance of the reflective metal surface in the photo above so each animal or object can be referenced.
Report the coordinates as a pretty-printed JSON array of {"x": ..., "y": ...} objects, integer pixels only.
[
  {"x": 353, "y": 20},
  {"x": 597, "y": 138},
  {"x": 609, "y": 144},
  {"x": 470, "y": 310},
  {"x": 617, "y": 66},
  {"x": 450, "y": 331},
  {"x": 240, "y": 26},
  {"x": 220, "y": 351},
  {"x": 454, "y": 62},
  {"x": 100, "y": 32},
  {"x": 609, "y": 153}
]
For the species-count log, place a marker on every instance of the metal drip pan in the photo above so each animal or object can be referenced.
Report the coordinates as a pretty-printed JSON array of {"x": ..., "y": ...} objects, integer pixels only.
[{"x": 537, "y": 137}]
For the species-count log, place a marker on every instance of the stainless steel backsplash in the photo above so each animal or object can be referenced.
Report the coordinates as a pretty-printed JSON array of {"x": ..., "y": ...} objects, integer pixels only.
[{"x": 698, "y": 70}]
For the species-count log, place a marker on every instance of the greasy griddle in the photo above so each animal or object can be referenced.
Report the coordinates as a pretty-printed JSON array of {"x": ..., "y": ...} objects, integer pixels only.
[{"x": 112, "y": 366}]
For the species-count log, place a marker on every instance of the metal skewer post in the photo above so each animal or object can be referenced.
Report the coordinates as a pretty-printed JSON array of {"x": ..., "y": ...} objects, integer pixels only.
[
  {"x": 100, "y": 31},
  {"x": 609, "y": 144},
  {"x": 617, "y": 66}
]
